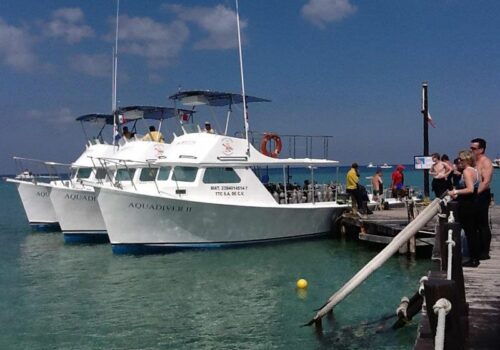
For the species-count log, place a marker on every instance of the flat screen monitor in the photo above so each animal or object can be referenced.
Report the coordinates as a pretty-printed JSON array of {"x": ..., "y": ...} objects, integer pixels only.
[{"x": 423, "y": 162}]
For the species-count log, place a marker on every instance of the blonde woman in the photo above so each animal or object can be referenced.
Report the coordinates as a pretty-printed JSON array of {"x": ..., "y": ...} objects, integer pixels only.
[{"x": 466, "y": 194}]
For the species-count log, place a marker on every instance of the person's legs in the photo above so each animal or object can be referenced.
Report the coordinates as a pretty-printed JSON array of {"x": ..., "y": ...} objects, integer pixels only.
[
  {"x": 484, "y": 231},
  {"x": 467, "y": 218}
]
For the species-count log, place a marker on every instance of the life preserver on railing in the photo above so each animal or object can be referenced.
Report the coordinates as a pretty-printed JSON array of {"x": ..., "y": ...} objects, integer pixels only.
[{"x": 277, "y": 144}]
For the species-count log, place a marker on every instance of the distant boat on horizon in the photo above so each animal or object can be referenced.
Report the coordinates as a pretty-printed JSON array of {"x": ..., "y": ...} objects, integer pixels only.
[
  {"x": 496, "y": 162},
  {"x": 386, "y": 166},
  {"x": 370, "y": 165}
]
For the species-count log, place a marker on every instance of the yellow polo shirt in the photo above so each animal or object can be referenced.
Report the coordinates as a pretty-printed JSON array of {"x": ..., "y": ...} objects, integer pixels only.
[{"x": 352, "y": 179}]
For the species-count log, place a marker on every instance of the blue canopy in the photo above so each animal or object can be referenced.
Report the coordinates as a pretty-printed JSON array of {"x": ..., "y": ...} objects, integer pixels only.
[
  {"x": 212, "y": 98},
  {"x": 135, "y": 112},
  {"x": 95, "y": 118},
  {"x": 151, "y": 112}
]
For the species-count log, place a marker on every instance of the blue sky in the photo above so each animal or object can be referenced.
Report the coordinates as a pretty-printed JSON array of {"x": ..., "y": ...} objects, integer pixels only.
[{"x": 351, "y": 69}]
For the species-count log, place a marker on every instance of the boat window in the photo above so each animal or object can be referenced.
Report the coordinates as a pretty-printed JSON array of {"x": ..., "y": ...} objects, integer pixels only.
[
  {"x": 164, "y": 173},
  {"x": 100, "y": 174},
  {"x": 220, "y": 176},
  {"x": 184, "y": 173},
  {"x": 124, "y": 174},
  {"x": 84, "y": 173},
  {"x": 148, "y": 174}
]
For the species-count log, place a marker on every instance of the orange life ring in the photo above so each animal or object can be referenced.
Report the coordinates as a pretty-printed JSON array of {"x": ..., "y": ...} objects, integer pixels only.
[{"x": 277, "y": 144}]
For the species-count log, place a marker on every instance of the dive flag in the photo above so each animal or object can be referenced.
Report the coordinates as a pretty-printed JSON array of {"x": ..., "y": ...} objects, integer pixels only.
[
  {"x": 121, "y": 119},
  {"x": 429, "y": 120},
  {"x": 184, "y": 117}
]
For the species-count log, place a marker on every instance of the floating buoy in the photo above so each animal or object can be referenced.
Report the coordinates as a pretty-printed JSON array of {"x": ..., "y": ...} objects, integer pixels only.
[{"x": 302, "y": 284}]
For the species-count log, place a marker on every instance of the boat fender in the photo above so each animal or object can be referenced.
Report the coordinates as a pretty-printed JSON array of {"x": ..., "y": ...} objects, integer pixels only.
[{"x": 277, "y": 145}]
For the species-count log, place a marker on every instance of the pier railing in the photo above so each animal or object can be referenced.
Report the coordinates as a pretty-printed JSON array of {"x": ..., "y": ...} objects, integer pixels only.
[{"x": 447, "y": 319}]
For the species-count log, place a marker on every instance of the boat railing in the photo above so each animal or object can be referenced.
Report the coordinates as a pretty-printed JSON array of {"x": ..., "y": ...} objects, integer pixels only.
[
  {"x": 109, "y": 163},
  {"x": 295, "y": 145},
  {"x": 39, "y": 171}
]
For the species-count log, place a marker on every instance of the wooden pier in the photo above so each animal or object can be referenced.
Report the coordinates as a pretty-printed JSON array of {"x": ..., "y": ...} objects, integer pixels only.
[
  {"x": 482, "y": 290},
  {"x": 383, "y": 225},
  {"x": 482, "y": 284},
  {"x": 482, "y": 297}
]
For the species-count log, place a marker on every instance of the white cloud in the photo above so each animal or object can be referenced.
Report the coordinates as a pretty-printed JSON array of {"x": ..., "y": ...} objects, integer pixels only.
[
  {"x": 61, "y": 116},
  {"x": 16, "y": 47},
  {"x": 322, "y": 12},
  {"x": 159, "y": 43},
  {"x": 93, "y": 65},
  {"x": 68, "y": 24},
  {"x": 218, "y": 22}
]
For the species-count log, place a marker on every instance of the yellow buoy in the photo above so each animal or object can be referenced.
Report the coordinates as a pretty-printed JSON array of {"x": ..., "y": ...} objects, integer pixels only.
[{"x": 302, "y": 284}]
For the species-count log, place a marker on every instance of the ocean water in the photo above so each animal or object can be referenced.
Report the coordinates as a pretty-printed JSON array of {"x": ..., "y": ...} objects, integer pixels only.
[{"x": 59, "y": 296}]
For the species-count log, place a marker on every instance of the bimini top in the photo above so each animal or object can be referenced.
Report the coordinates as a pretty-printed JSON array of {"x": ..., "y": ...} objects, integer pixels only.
[
  {"x": 134, "y": 113},
  {"x": 151, "y": 112},
  {"x": 212, "y": 98},
  {"x": 96, "y": 118}
]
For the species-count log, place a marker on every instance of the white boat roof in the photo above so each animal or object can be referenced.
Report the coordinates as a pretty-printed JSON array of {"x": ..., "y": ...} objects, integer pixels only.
[
  {"x": 202, "y": 149},
  {"x": 89, "y": 157}
]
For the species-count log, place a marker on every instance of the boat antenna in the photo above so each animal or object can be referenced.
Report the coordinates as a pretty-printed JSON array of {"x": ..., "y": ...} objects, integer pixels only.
[
  {"x": 114, "y": 74},
  {"x": 245, "y": 112}
]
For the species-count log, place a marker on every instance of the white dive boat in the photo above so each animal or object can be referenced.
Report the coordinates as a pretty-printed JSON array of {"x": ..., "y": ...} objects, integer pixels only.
[
  {"x": 35, "y": 196},
  {"x": 74, "y": 202},
  {"x": 37, "y": 193},
  {"x": 204, "y": 192},
  {"x": 386, "y": 166},
  {"x": 370, "y": 165},
  {"x": 496, "y": 162}
]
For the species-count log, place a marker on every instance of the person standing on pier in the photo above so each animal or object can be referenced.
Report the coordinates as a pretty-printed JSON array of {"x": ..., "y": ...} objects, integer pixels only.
[
  {"x": 357, "y": 191},
  {"x": 398, "y": 182},
  {"x": 485, "y": 168},
  {"x": 377, "y": 185},
  {"x": 440, "y": 171},
  {"x": 467, "y": 211}
]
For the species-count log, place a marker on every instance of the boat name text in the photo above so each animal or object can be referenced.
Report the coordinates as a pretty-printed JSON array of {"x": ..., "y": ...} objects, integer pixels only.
[
  {"x": 159, "y": 207},
  {"x": 80, "y": 197},
  {"x": 42, "y": 194}
]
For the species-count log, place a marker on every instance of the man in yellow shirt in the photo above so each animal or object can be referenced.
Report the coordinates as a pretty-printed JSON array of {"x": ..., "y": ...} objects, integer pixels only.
[
  {"x": 153, "y": 135},
  {"x": 357, "y": 191}
]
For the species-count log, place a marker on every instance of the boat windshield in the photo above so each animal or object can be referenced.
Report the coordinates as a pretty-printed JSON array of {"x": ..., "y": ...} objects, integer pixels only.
[
  {"x": 220, "y": 175},
  {"x": 83, "y": 173},
  {"x": 123, "y": 174},
  {"x": 184, "y": 173}
]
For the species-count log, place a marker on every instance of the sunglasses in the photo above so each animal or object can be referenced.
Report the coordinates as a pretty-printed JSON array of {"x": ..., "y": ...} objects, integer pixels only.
[{"x": 475, "y": 148}]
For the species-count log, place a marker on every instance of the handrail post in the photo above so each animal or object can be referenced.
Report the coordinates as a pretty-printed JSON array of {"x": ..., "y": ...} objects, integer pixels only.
[
  {"x": 436, "y": 289},
  {"x": 442, "y": 307}
]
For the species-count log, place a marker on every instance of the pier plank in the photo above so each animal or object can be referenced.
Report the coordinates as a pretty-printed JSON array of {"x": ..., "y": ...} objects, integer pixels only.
[{"x": 482, "y": 288}]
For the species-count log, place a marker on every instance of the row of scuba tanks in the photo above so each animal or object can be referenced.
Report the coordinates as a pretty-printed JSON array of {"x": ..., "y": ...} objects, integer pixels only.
[{"x": 297, "y": 194}]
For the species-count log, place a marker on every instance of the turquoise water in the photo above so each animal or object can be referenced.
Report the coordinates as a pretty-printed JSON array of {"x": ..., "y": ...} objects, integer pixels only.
[{"x": 60, "y": 296}]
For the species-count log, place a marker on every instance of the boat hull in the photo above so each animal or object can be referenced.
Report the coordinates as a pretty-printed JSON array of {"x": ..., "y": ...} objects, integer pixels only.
[
  {"x": 79, "y": 215},
  {"x": 138, "y": 223},
  {"x": 35, "y": 199}
]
